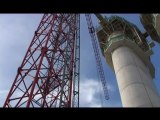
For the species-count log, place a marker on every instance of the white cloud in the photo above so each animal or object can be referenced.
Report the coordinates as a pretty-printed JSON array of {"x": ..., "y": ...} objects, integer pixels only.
[
  {"x": 3, "y": 96},
  {"x": 110, "y": 88},
  {"x": 90, "y": 93}
]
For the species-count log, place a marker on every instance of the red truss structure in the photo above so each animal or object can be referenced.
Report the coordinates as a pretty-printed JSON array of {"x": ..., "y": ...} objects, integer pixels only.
[{"x": 49, "y": 73}]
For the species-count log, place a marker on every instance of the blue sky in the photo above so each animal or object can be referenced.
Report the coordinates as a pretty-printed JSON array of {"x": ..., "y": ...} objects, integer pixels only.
[{"x": 17, "y": 30}]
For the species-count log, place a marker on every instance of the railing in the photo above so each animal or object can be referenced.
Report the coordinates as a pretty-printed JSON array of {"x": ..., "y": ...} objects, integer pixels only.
[{"x": 115, "y": 38}]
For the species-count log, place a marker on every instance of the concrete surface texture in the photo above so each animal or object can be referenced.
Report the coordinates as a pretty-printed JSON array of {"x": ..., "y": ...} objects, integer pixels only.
[{"x": 134, "y": 80}]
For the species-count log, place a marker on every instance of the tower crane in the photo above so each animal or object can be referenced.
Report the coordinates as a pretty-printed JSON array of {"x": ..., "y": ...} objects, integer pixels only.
[
  {"x": 97, "y": 54},
  {"x": 49, "y": 73}
]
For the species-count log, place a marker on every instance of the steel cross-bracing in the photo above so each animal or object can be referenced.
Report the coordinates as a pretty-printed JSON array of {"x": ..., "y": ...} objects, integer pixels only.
[
  {"x": 97, "y": 55},
  {"x": 49, "y": 73}
]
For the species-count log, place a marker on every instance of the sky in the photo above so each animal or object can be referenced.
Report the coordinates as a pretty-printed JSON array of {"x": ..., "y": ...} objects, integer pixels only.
[{"x": 16, "y": 33}]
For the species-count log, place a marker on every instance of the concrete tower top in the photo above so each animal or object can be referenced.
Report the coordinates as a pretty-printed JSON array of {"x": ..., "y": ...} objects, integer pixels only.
[
  {"x": 115, "y": 31},
  {"x": 152, "y": 26}
]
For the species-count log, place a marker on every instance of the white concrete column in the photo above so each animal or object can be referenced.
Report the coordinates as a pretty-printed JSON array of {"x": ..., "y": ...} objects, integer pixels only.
[{"x": 134, "y": 80}]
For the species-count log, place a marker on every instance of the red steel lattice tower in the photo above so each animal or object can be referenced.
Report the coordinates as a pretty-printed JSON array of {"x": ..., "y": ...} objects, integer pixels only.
[{"x": 49, "y": 73}]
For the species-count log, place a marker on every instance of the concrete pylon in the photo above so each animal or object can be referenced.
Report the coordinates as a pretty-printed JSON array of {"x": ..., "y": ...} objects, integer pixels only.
[
  {"x": 134, "y": 73},
  {"x": 134, "y": 80},
  {"x": 128, "y": 52}
]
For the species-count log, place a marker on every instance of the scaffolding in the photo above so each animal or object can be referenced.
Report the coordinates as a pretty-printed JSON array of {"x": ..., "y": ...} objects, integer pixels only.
[
  {"x": 120, "y": 32},
  {"x": 119, "y": 27},
  {"x": 148, "y": 21}
]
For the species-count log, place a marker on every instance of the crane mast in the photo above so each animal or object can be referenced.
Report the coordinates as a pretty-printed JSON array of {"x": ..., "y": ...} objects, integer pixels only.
[
  {"x": 97, "y": 55},
  {"x": 49, "y": 73}
]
